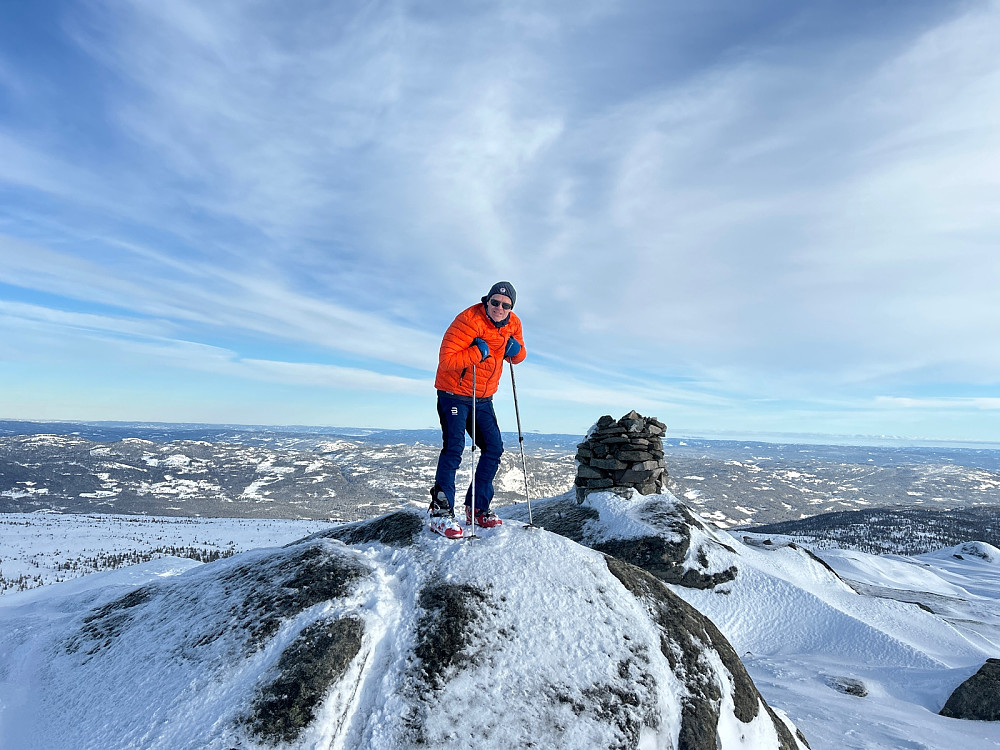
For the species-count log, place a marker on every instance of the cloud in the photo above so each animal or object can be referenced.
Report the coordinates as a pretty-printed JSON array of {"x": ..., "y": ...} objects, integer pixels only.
[
  {"x": 936, "y": 404},
  {"x": 9, "y": 80},
  {"x": 256, "y": 110},
  {"x": 113, "y": 342},
  {"x": 38, "y": 314},
  {"x": 792, "y": 221},
  {"x": 767, "y": 209},
  {"x": 26, "y": 166},
  {"x": 350, "y": 378},
  {"x": 215, "y": 298}
]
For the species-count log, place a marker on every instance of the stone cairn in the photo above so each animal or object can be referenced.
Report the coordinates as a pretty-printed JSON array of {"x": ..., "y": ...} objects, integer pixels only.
[{"x": 622, "y": 455}]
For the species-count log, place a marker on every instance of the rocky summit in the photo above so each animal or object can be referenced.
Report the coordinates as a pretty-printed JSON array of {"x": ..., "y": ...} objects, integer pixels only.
[{"x": 379, "y": 634}]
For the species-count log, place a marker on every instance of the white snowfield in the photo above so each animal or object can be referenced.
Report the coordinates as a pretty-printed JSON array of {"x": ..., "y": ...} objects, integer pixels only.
[
  {"x": 800, "y": 630},
  {"x": 558, "y": 625},
  {"x": 43, "y": 548}
]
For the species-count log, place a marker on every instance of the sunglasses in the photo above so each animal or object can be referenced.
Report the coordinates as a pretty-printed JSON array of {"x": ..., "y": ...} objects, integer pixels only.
[{"x": 498, "y": 303}]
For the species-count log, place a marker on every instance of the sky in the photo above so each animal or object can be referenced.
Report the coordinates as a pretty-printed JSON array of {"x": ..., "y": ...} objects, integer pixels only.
[{"x": 741, "y": 218}]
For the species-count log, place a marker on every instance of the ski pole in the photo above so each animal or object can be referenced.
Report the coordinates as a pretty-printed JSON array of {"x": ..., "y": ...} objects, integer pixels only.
[
  {"x": 473, "y": 534},
  {"x": 520, "y": 440}
]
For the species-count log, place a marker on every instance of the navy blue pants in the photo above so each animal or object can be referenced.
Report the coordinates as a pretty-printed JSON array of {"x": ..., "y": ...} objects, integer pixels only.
[{"x": 456, "y": 422}]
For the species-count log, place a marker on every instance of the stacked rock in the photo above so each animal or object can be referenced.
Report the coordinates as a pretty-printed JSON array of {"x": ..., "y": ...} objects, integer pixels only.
[{"x": 627, "y": 454}]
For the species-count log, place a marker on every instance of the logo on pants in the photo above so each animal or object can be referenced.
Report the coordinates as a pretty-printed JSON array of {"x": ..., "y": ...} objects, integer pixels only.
[{"x": 454, "y": 411}]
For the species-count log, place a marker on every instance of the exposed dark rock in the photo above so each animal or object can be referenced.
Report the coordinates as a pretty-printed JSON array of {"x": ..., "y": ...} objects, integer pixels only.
[
  {"x": 687, "y": 636},
  {"x": 635, "y": 455},
  {"x": 284, "y": 590},
  {"x": 564, "y": 517},
  {"x": 316, "y": 659},
  {"x": 258, "y": 597},
  {"x": 586, "y": 472},
  {"x": 848, "y": 686},
  {"x": 450, "y": 612},
  {"x": 103, "y": 626},
  {"x": 665, "y": 560},
  {"x": 608, "y": 463},
  {"x": 629, "y": 709},
  {"x": 977, "y": 698},
  {"x": 397, "y": 529},
  {"x": 664, "y": 553}
]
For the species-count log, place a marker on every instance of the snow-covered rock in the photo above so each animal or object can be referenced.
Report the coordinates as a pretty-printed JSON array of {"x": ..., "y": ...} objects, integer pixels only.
[
  {"x": 816, "y": 629},
  {"x": 656, "y": 532},
  {"x": 381, "y": 635},
  {"x": 978, "y": 550}
]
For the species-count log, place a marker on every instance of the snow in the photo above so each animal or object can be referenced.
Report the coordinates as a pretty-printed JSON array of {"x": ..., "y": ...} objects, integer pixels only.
[
  {"x": 561, "y": 607},
  {"x": 618, "y": 518},
  {"x": 573, "y": 627},
  {"x": 51, "y": 547},
  {"x": 981, "y": 550},
  {"x": 890, "y": 571},
  {"x": 798, "y": 626},
  {"x": 511, "y": 480}
]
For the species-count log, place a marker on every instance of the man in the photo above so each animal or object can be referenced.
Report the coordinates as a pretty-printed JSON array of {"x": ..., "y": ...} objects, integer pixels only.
[{"x": 474, "y": 348}]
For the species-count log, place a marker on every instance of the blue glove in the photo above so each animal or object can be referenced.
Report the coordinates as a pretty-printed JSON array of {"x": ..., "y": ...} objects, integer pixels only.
[
  {"x": 484, "y": 349},
  {"x": 513, "y": 348}
]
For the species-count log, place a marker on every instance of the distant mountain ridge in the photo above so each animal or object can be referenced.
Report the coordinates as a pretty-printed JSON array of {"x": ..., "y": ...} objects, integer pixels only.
[
  {"x": 260, "y": 476},
  {"x": 253, "y": 434},
  {"x": 351, "y": 474},
  {"x": 901, "y": 531}
]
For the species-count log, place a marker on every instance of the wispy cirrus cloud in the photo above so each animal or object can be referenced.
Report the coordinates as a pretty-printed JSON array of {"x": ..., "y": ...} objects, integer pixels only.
[
  {"x": 76, "y": 321},
  {"x": 37, "y": 331},
  {"x": 785, "y": 204},
  {"x": 220, "y": 299}
]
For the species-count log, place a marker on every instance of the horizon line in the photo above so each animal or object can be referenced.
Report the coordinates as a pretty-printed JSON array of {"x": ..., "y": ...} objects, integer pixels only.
[{"x": 774, "y": 437}]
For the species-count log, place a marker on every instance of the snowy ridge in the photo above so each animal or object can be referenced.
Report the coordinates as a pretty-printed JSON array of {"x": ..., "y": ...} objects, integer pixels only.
[
  {"x": 910, "y": 630},
  {"x": 387, "y": 637},
  {"x": 376, "y": 635},
  {"x": 982, "y": 550}
]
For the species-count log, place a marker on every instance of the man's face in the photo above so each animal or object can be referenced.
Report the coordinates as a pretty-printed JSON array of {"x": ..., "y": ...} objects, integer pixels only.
[{"x": 498, "y": 307}]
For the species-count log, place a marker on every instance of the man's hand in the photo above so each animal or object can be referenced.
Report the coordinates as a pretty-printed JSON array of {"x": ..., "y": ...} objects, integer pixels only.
[
  {"x": 513, "y": 348},
  {"x": 484, "y": 349}
]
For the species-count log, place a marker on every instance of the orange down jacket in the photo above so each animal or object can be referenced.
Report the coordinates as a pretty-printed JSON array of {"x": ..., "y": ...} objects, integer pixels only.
[{"x": 457, "y": 356}]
